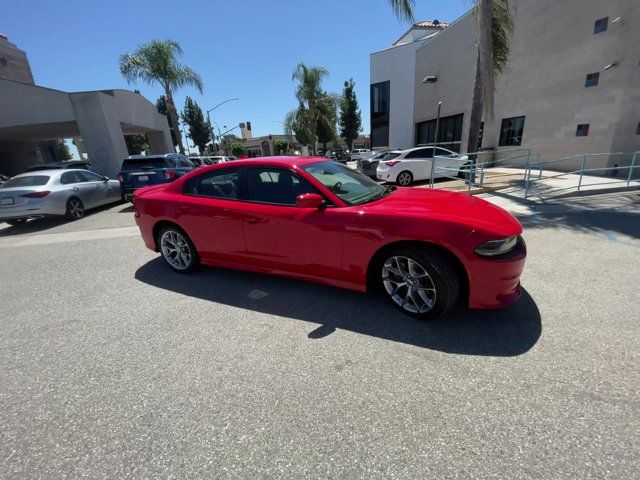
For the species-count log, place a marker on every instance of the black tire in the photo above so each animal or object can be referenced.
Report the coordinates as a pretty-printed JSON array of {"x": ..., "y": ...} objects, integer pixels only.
[
  {"x": 75, "y": 209},
  {"x": 404, "y": 174},
  {"x": 441, "y": 276},
  {"x": 17, "y": 222},
  {"x": 194, "y": 261}
]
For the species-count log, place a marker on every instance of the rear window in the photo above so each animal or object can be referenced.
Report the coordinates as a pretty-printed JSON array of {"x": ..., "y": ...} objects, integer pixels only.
[
  {"x": 390, "y": 155},
  {"x": 150, "y": 162},
  {"x": 30, "y": 181}
]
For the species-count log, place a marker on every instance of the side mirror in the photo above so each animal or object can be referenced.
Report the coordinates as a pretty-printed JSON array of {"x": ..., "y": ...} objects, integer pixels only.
[
  {"x": 309, "y": 200},
  {"x": 105, "y": 179}
]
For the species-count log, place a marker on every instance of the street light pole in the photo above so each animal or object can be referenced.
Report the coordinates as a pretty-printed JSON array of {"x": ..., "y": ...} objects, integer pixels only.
[{"x": 211, "y": 135}]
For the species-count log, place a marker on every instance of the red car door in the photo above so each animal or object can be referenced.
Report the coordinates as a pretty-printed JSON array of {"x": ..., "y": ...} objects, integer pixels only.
[
  {"x": 281, "y": 236},
  {"x": 211, "y": 214}
]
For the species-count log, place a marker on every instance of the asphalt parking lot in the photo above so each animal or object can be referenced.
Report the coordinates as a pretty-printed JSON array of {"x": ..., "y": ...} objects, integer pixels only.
[{"x": 114, "y": 367}]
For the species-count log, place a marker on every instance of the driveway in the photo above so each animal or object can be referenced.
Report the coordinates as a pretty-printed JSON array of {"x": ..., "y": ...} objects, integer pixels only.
[{"x": 112, "y": 366}]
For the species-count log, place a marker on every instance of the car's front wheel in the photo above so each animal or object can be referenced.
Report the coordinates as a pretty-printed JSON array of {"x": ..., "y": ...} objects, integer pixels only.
[
  {"x": 420, "y": 282},
  {"x": 177, "y": 249},
  {"x": 404, "y": 178}
]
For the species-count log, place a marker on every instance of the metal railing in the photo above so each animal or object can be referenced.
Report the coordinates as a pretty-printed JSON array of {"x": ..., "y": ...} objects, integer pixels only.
[{"x": 581, "y": 172}]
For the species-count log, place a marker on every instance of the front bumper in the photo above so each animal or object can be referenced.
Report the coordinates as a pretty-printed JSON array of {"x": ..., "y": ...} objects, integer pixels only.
[{"x": 495, "y": 282}]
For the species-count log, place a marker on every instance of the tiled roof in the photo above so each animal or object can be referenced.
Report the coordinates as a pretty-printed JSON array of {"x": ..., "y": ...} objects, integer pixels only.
[{"x": 424, "y": 24}]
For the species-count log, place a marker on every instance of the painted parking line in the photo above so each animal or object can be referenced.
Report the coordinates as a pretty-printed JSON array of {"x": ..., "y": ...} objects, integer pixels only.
[{"x": 78, "y": 236}]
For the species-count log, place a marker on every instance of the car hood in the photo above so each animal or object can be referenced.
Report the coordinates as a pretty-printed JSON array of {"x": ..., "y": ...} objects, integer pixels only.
[{"x": 422, "y": 202}]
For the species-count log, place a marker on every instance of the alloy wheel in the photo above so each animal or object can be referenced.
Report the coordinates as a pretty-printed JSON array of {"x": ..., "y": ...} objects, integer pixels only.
[
  {"x": 176, "y": 250},
  {"x": 408, "y": 284},
  {"x": 76, "y": 209},
  {"x": 404, "y": 179}
]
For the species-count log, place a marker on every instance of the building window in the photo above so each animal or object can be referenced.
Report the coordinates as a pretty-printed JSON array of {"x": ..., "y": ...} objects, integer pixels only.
[
  {"x": 601, "y": 25},
  {"x": 449, "y": 132},
  {"x": 380, "y": 114},
  {"x": 582, "y": 130},
  {"x": 511, "y": 132},
  {"x": 592, "y": 79},
  {"x": 3, "y": 62}
]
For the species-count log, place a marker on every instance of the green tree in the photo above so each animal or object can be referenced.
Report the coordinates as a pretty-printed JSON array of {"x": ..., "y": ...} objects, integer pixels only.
[
  {"x": 494, "y": 31},
  {"x": 309, "y": 93},
  {"x": 136, "y": 144},
  {"x": 297, "y": 123},
  {"x": 199, "y": 129},
  {"x": 326, "y": 125},
  {"x": 237, "y": 149},
  {"x": 62, "y": 151},
  {"x": 161, "y": 105},
  {"x": 350, "y": 119},
  {"x": 157, "y": 62},
  {"x": 280, "y": 146}
]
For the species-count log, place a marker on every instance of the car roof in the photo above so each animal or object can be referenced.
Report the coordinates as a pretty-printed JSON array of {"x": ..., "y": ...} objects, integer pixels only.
[
  {"x": 283, "y": 161},
  {"x": 50, "y": 172}
]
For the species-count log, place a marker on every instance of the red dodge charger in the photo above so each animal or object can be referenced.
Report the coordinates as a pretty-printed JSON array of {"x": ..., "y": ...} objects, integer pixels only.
[{"x": 314, "y": 219}]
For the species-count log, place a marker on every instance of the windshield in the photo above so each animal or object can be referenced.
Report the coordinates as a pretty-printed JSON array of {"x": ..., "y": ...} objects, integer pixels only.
[
  {"x": 30, "y": 181},
  {"x": 347, "y": 184}
]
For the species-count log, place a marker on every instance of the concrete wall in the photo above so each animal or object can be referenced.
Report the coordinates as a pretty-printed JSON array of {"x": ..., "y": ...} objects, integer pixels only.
[
  {"x": 552, "y": 51},
  {"x": 397, "y": 65},
  {"x": 14, "y": 64}
]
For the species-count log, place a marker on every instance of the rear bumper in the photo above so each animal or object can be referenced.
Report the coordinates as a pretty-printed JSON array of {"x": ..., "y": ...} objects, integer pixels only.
[
  {"x": 30, "y": 211},
  {"x": 495, "y": 283}
]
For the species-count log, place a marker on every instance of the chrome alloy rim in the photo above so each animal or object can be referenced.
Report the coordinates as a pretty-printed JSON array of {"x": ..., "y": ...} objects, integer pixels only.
[
  {"x": 404, "y": 179},
  {"x": 75, "y": 208},
  {"x": 175, "y": 250},
  {"x": 408, "y": 284}
]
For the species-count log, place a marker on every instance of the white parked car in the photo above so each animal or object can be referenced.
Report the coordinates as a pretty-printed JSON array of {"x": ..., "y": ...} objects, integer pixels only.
[
  {"x": 407, "y": 166},
  {"x": 55, "y": 192},
  {"x": 358, "y": 153}
]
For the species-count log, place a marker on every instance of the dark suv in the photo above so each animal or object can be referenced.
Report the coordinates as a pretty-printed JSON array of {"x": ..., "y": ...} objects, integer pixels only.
[{"x": 142, "y": 170}]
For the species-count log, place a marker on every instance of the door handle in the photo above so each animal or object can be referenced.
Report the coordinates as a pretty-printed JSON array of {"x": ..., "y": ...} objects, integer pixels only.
[
  {"x": 97, "y": 186},
  {"x": 252, "y": 220},
  {"x": 75, "y": 189}
]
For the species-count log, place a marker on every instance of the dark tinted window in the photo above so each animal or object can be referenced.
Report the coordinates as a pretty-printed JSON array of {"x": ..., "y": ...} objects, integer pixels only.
[
  {"x": 592, "y": 79},
  {"x": 638, "y": 129},
  {"x": 30, "y": 181},
  {"x": 582, "y": 130},
  {"x": 449, "y": 132},
  {"x": 443, "y": 152},
  {"x": 421, "y": 153},
  {"x": 218, "y": 184},
  {"x": 601, "y": 25},
  {"x": 380, "y": 108},
  {"x": 72, "y": 177},
  {"x": 91, "y": 177},
  {"x": 275, "y": 185},
  {"x": 511, "y": 131},
  {"x": 147, "y": 162},
  {"x": 390, "y": 155}
]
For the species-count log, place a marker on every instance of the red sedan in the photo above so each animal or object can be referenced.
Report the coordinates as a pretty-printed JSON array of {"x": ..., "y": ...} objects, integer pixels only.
[{"x": 317, "y": 220}]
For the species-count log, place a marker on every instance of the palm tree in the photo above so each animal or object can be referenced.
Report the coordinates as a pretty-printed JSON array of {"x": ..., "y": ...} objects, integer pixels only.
[
  {"x": 158, "y": 62},
  {"x": 309, "y": 93},
  {"x": 494, "y": 26}
]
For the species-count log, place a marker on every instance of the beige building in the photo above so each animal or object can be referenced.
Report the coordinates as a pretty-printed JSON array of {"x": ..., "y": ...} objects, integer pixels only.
[
  {"x": 572, "y": 85},
  {"x": 32, "y": 117}
]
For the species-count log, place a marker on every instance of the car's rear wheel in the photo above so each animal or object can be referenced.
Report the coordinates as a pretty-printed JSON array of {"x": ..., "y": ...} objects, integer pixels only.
[
  {"x": 420, "y": 282},
  {"x": 177, "y": 249},
  {"x": 17, "y": 222},
  {"x": 75, "y": 209},
  {"x": 465, "y": 171},
  {"x": 404, "y": 178}
]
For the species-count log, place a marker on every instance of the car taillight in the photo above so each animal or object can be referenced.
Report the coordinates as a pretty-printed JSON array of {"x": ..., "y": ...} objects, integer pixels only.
[
  {"x": 41, "y": 194},
  {"x": 169, "y": 174},
  {"x": 393, "y": 162},
  {"x": 120, "y": 177}
]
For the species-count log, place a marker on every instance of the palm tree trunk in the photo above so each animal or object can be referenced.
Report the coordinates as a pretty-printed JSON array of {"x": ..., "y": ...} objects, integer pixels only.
[
  {"x": 475, "y": 118},
  {"x": 171, "y": 108}
]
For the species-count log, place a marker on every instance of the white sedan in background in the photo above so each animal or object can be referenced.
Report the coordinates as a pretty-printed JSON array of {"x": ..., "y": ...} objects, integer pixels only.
[
  {"x": 55, "y": 192},
  {"x": 407, "y": 166}
]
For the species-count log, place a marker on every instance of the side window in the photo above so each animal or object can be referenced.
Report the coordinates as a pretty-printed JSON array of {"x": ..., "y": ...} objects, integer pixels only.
[
  {"x": 421, "y": 153},
  {"x": 218, "y": 184},
  {"x": 442, "y": 152},
  {"x": 275, "y": 185},
  {"x": 90, "y": 177},
  {"x": 71, "y": 177}
]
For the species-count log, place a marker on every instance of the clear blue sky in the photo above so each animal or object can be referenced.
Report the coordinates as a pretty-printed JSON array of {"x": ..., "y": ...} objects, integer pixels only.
[{"x": 244, "y": 49}]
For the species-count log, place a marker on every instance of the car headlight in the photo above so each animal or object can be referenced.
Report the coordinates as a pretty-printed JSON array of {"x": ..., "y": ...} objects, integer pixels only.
[{"x": 497, "y": 247}]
